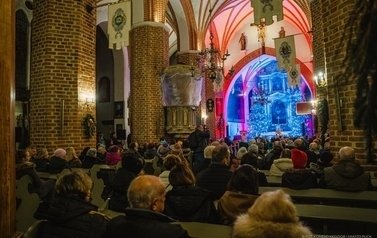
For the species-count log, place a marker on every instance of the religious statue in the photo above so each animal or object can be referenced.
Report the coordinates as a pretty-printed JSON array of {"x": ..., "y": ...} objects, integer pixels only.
[
  {"x": 243, "y": 41},
  {"x": 261, "y": 32},
  {"x": 282, "y": 32}
]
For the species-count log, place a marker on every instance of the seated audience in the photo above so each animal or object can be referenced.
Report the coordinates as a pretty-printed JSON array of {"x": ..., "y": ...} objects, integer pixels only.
[
  {"x": 310, "y": 155},
  {"x": 41, "y": 160},
  {"x": 236, "y": 161},
  {"x": 299, "y": 177},
  {"x": 32, "y": 149},
  {"x": 113, "y": 156},
  {"x": 272, "y": 215},
  {"x": 144, "y": 219},
  {"x": 131, "y": 168},
  {"x": 44, "y": 189},
  {"x": 133, "y": 148},
  {"x": 187, "y": 202},
  {"x": 90, "y": 158},
  {"x": 83, "y": 153},
  {"x": 251, "y": 158},
  {"x": 205, "y": 163},
  {"x": 346, "y": 175},
  {"x": 72, "y": 158},
  {"x": 279, "y": 166},
  {"x": 324, "y": 161},
  {"x": 58, "y": 161},
  {"x": 151, "y": 153},
  {"x": 169, "y": 162},
  {"x": 271, "y": 156},
  {"x": 101, "y": 154},
  {"x": 216, "y": 177},
  {"x": 241, "y": 193},
  {"x": 71, "y": 214},
  {"x": 314, "y": 147}
]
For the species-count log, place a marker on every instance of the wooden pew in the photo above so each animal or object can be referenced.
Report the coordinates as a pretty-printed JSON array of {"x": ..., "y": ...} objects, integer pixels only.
[
  {"x": 198, "y": 229},
  {"x": 366, "y": 199}
]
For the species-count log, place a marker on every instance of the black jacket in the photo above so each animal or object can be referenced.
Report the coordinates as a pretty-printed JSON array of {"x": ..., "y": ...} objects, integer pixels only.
[
  {"x": 201, "y": 166},
  {"x": 28, "y": 168},
  {"x": 120, "y": 184},
  {"x": 191, "y": 203},
  {"x": 88, "y": 162},
  {"x": 141, "y": 223},
  {"x": 69, "y": 217},
  {"x": 42, "y": 164},
  {"x": 299, "y": 179},
  {"x": 215, "y": 178},
  {"x": 57, "y": 164}
]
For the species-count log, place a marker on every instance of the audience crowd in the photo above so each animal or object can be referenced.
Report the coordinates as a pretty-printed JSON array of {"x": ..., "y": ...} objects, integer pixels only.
[{"x": 226, "y": 173}]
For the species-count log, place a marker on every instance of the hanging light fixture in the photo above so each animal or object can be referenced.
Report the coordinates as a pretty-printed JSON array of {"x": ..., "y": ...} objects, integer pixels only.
[{"x": 211, "y": 60}]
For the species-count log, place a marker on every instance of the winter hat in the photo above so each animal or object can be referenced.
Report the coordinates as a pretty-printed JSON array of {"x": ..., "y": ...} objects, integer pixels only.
[
  {"x": 299, "y": 159},
  {"x": 59, "y": 153},
  {"x": 132, "y": 164},
  {"x": 91, "y": 152},
  {"x": 326, "y": 157},
  {"x": 290, "y": 144},
  {"x": 163, "y": 151},
  {"x": 241, "y": 152},
  {"x": 253, "y": 148},
  {"x": 113, "y": 148}
]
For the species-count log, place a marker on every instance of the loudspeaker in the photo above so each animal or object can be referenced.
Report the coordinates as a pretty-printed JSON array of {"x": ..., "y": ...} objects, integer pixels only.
[{"x": 121, "y": 134}]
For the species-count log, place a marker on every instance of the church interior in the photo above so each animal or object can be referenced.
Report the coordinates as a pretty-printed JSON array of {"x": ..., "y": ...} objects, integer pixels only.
[{"x": 177, "y": 65}]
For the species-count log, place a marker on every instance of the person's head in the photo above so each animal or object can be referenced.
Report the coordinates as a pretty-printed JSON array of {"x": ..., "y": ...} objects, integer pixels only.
[
  {"x": 77, "y": 184},
  {"x": 42, "y": 154},
  {"x": 113, "y": 134},
  {"x": 299, "y": 159},
  {"x": 134, "y": 146},
  {"x": 92, "y": 152},
  {"x": 281, "y": 218},
  {"x": 200, "y": 128},
  {"x": 208, "y": 152},
  {"x": 221, "y": 154},
  {"x": 132, "y": 163},
  {"x": 114, "y": 149},
  {"x": 101, "y": 149},
  {"x": 241, "y": 151},
  {"x": 251, "y": 159},
  {"x": 347, "y": 153},
  {"x": 181, "y": 175},
  {"x": 60, "y": 153},
  {"x": 298, "y": 143},
  {"x": 71, "y": 153},
  {"x": 286, "y": 153},
  {"x": 32, "y": 150},
  {"x": 151, "y": 146},
  {"x": 244, "y": 180},
  {"x": 253, "y": 148},
  {"x": 147, "y": 192},
  {"x": 177, "y": 150},
  {"x": 22, "y": 156},
  {"x": 326, "y": 157},
  {"x": 314, "y": 147},
  {"x": 170, "y": 161}
]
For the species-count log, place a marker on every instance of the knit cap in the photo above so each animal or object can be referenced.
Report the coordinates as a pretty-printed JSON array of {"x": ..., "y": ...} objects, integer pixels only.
[
  {"x": 241, "y": 152},
  {"x": 253, "y": 148},
  {"x": 59, "y": 153},
  {"x": 299, "y": 159}
]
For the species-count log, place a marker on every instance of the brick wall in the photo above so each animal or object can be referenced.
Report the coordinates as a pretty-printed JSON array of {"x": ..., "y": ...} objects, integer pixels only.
[
  {"x": 62, "y": 68},
  {"x": 149, "y": 54},
  {"x": 334, "y": 16}
]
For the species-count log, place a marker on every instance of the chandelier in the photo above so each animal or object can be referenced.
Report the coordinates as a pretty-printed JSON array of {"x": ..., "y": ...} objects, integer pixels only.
[
  {"x": 320, "y": 80},
  {"x": 260, "y": 94},
  {"x": 211, "y": 60}
]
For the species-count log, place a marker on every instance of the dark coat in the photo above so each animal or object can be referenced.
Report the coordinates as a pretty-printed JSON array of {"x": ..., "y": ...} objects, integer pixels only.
[
  {"x": 88, "y": 162},
  {"x": 201, "y": 166},
  {"x": 69, "y": 217},
  {"x": 141, "y": 223},
  {"x": 120, "y": 184},
  {"x": 42, "y": 165},
  {"x": 28, "y": 168},
  {"x": 346, "y": 175},
  {"x": 299, "y": 179},
  {"x": 312, "y": 157},
  {"x": 215, "y": 178},
  {"x": 191, "y": 203},
  {"x": 57, "y": 165}
]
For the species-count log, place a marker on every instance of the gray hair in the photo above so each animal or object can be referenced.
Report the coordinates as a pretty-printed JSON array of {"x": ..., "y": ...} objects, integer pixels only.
[{"x": 91, "y": 152}]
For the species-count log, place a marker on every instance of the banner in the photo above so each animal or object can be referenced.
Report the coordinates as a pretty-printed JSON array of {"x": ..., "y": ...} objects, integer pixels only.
[
  {"x": 285, "y": 52},
  {"x": 294, "y": 76},
  {"x": 119, "y": 24},
  {"x": 266, "y": 9}
]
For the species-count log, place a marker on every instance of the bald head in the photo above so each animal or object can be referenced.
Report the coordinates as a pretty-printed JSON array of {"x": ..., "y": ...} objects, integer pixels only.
[
  {"x": 147, "y": 192},
  {"x": 347, "y": 153}
]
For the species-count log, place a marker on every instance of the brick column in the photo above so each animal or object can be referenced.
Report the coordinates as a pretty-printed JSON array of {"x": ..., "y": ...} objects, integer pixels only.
[
  {"x": 62, "y": 68},
  {"x": 7, "y": 95},
  {"x": 333, "y": 27},
  {"x": 149, "y": 54}
]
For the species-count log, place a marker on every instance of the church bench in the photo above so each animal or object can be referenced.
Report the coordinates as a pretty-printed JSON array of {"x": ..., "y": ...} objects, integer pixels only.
[
  {"x": 199, "y": 229},
  {"x": 367, "y": 199},
  {"x": 338, "y": 220}
]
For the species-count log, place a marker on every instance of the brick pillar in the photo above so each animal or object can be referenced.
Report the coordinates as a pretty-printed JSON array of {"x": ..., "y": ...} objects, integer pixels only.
[
  {"x": 149, "y": 54},
  {"x": 62, "y": 68},
  {"x": 7, "y": 120},
  {"x": 341, "y": 128}
]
